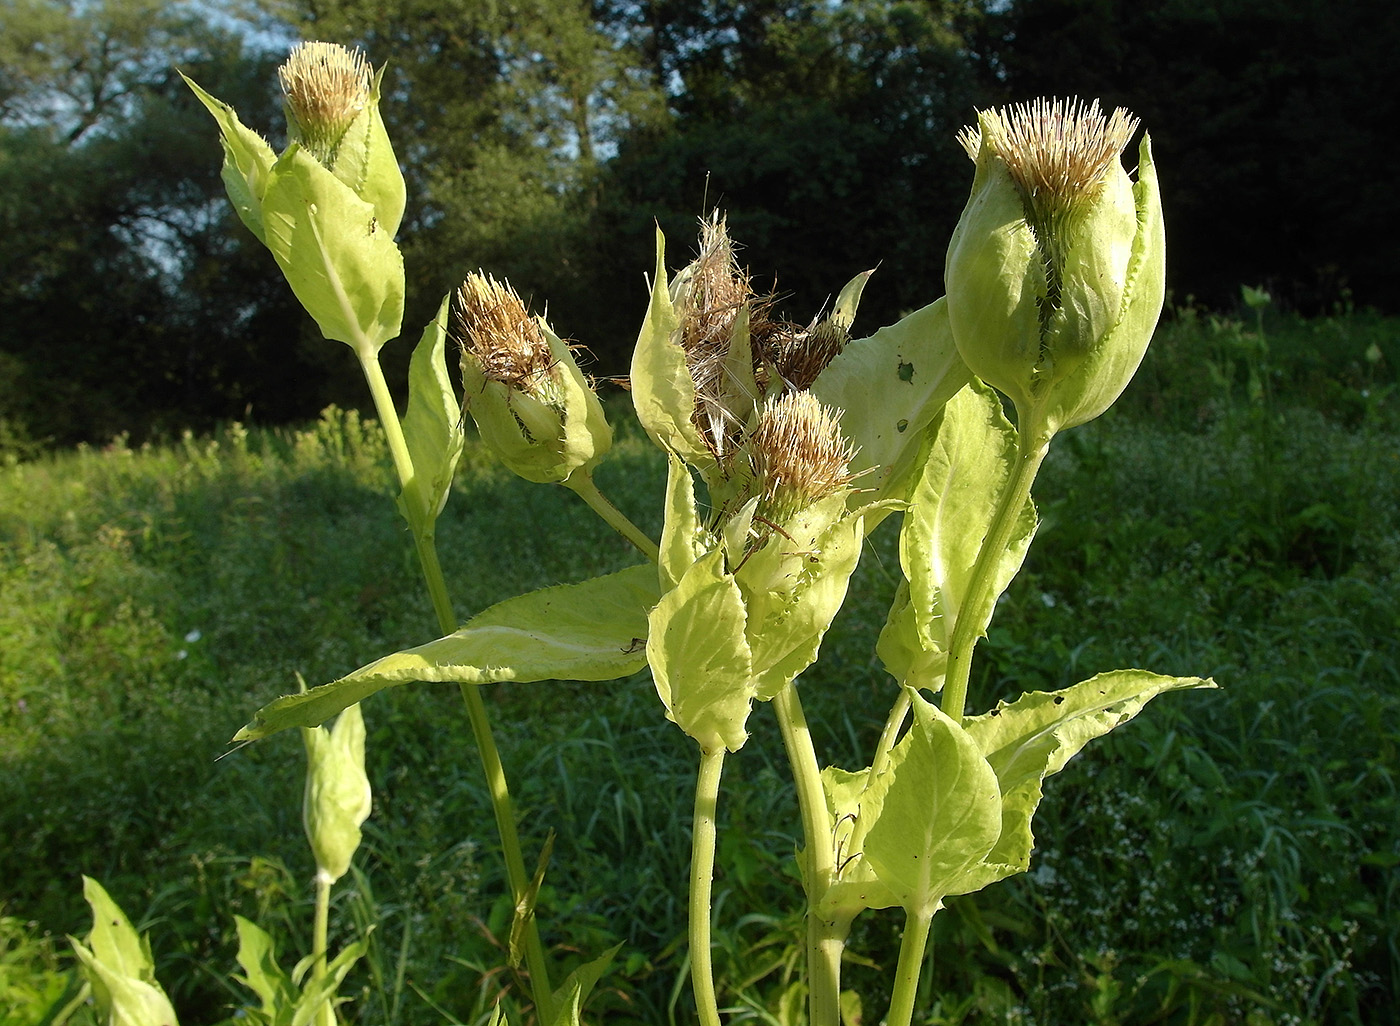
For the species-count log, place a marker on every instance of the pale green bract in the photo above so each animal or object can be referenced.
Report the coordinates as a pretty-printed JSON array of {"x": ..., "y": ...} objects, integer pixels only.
[
  {"x": 592, "y": 631},
  {"x": 118, "y": 965},
  {"x": 432, "y": 428},
  {"x": 248, "y": 160},
  {"x": 342, "y": 264},
  {"x": 891, "y": 387},
  {"x": 700, "y": 658},
  {"x": 365, "y": 162},
  {"x": 337, "y": 797},
  {"x": 952, "y": 501},
  {"x": 1032, "y": 738},
  {"x": 939, "y": 811},
  {"x": 663, "y": 392}
]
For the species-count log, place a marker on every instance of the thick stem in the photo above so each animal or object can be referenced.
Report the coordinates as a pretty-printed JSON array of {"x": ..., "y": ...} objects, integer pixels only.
[
  {"x": 325, "y": 1014},
  {"x": 911, "y": 960},
  {"x": 702, "y": 872},
  {"x": 976, "y": 606},
  {"x": 491, "y": 766},
  {"x": 825, "y": 938},
  {"x": 582, "y": 484}
]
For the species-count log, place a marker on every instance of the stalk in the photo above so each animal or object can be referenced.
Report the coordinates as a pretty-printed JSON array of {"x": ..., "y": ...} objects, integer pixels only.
[
  {"x": 325, "y": 1013},
  {"x": 979, "y": 590},
  {"x": 583, "y": 485},
  {"x": 826, "y": 939},
  {"x": 702, "y": 872},
  {"x": 491, "y": 766},
  {"x": 890, "y": 734},
  {"x": 911, "y": 959}
]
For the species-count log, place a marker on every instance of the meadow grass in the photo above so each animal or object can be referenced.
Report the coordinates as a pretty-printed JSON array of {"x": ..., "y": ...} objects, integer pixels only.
[{"x": 1230, "y": 858}]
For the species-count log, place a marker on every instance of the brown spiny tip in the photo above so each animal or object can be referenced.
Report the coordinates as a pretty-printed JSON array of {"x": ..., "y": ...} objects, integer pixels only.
[
  {"x": 798, "y": 452},
  {"x": 1057, "y": 151},
  {"x": 327, "y": 86},
  {"x": 716, "y": 292},
  {"x": 496, "y": 328},
  {"x": 799, "y": 354}
]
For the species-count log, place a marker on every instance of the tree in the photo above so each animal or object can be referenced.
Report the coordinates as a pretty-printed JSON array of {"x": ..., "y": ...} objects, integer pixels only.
[
  {"x": 127, "y": 300},
  {"x": 1268, "y": 124},
  {"x": 827, "y": 131}
]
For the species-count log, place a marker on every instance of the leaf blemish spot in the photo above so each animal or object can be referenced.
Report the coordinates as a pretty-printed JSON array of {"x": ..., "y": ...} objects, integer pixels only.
[{"x": 906, "y": 371}]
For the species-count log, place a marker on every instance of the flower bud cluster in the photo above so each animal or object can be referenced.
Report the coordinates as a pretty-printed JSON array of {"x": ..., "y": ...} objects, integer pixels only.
[{"x": 329, "y": 205}]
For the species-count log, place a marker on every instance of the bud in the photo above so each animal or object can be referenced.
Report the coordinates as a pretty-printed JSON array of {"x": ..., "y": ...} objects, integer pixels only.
[
  {"x": 337, "y": 798},
  {"x": 1056, "y": 271},
  {"x": 329, "y": 205},
  {"x": 523, "y": 387},
  {"x": 332, "y": 107}
]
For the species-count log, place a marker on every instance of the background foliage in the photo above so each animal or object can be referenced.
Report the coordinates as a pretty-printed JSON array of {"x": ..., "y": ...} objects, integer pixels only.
[
  {"x": 1231, "y": 857},
  {"x": 542, "y": 138}
]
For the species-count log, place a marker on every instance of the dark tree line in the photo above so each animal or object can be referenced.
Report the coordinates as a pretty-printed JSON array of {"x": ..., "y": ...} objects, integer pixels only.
[{"x": 545, "y": 139}]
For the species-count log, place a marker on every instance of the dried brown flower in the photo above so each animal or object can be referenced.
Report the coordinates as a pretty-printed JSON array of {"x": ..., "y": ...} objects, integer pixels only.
[
  {"x": 714, "y": 295},
  {"x": 494, "y": 326}
]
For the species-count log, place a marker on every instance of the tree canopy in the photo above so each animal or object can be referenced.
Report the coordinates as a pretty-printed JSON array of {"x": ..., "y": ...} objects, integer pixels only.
[{"x": 543, "y": 140}]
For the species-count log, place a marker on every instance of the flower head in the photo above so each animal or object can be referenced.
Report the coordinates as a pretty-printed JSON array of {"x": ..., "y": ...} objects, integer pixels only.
[
  {"x": 326, "y": 87},
  {"x": 1055, "y": 273},
  {"x": 523, "y": 388},
  {"x": 496, "y": 328},
  {"x": 798, "y": 453},
  {"x": 1057, "y": 151},
  {"x": 714, "y": 294}
]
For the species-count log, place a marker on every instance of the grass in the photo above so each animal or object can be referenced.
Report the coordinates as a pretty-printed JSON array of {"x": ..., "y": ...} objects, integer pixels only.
[{"x": 1230, "y": 858}]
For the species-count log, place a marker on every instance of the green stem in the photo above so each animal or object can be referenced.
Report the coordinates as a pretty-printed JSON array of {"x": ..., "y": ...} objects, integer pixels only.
[
  {"x": 325, "y": 1014},
  {"x": 906, "y": 976},
  {"x": 890, "y": 734},
  {"x": 491, "y": 766},
  {"x": 388, "y": 418},
  {"x": 702, "y": 872},
  {"x": 976, "y": 606},
  {"x": 826, "y": 938},
  {"x": 582, "y": 484}
]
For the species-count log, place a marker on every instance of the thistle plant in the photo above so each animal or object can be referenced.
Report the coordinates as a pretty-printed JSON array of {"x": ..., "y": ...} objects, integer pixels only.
[{"x": 785, "y": 445}]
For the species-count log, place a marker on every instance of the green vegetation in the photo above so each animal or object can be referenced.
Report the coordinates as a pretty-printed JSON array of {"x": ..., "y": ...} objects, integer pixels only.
[{"x": 1237, "y": 514}]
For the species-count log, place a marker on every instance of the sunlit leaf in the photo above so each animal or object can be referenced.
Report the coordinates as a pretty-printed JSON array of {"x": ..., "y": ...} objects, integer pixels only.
[
  {"x": 699, "y": 658},
  {"x": 591, "y": 631},
  {"x": 940, "y": 814},
  {"x": 1032, "y": 738}
]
